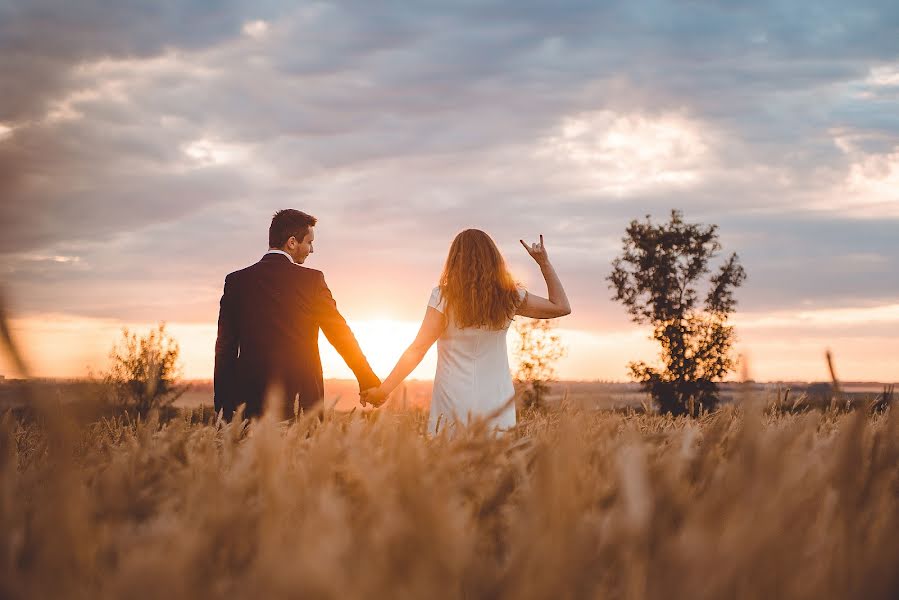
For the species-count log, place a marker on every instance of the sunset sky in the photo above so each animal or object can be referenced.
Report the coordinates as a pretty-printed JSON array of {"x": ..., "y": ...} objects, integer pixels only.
[{"x": 145, "y": 146}]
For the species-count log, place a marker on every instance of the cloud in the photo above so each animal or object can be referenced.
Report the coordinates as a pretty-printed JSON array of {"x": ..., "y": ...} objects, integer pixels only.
[
  {"x": 153, "y": 144},
  {"x": 209, "y": 152},
  {"x": 255, "y": 29},
  {"x": 623, "y": 154},
  {"x": 825, "y": 318},
  {"x": 42, "y": 41}
]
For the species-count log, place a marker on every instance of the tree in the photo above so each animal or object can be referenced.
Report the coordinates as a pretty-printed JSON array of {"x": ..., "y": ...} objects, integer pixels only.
[
  {"x": 659, "y": 277},
  {"x": 144, "y": 372},
  {"x": 537, "y": 349}
]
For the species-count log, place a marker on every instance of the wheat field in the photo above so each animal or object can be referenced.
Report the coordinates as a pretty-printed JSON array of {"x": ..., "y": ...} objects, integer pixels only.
[{"x": 738, "y": 504}]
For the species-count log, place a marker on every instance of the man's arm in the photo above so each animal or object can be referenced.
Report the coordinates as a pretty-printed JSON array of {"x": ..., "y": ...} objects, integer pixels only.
[
  {"x": 341, "y": 336},
  {"x": 226, "y": 348}
]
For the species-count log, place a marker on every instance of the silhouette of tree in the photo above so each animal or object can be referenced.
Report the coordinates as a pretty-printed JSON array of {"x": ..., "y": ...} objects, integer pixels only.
[
  {"x": 658, "y": 278},
  {"x": 144, "y": 372},
  {"x": 537, "y": 349}
]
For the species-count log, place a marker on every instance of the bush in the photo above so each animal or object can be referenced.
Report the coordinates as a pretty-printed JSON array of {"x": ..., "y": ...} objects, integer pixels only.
[
  {"x": 537, "y": 348},
  {"x": 144, "y": 373}
]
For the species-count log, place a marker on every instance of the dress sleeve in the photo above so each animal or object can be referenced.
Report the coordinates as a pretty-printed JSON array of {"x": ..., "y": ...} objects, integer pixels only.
[
  {"x": 437, "y": 302},
  {"x": 522, "y": 294}
]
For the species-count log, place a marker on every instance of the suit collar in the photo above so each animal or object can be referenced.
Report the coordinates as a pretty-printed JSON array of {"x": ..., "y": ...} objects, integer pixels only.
[{"x": 276, "y": 255}]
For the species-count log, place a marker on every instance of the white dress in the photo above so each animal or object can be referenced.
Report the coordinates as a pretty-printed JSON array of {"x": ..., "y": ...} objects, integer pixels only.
[{"x": 472, "y": 378}]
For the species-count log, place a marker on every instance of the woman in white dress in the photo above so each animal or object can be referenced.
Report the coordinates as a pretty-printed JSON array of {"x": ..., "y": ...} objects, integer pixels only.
[{"x": 468, "y": 316}]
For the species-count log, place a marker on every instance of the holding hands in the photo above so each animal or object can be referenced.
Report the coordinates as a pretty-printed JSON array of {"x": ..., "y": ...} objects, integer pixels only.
[{"x": 375, "y": 396}]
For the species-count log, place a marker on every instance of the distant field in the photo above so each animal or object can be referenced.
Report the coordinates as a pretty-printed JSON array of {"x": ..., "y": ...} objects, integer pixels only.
[{"x": 343, "y": 394}]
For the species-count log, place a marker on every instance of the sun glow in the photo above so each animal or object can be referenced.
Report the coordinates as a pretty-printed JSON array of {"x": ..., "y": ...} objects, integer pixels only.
[
  {"x": 67, "y": 346},
  {"x": 783, "y": 345},
  {"x": 383, "y": 341}
]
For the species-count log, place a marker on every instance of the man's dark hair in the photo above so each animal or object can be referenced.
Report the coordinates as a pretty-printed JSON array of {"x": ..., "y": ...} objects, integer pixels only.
[{"x": 286, "y": 223}]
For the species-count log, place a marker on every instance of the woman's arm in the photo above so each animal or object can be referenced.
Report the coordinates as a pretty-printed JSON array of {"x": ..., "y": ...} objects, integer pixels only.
[
  {"x": 544, "y": 308},
  {"x": 432, "y": 327}
]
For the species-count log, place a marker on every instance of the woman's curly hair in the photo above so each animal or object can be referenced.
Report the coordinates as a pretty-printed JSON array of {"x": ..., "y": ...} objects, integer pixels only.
[{"x": 478, "y": 288}]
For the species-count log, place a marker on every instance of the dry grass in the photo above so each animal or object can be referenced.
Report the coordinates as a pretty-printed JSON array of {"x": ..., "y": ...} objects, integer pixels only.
[{"x": 572, "y": 505}]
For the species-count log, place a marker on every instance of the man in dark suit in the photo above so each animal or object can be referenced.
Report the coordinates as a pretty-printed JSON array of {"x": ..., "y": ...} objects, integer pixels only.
[{"x": 269, "y": 318}]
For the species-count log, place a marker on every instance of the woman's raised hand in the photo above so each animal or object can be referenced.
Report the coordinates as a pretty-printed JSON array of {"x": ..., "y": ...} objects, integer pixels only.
[
  {"x": 545, "y": 308},
  {"x": 537, "y": 251}
]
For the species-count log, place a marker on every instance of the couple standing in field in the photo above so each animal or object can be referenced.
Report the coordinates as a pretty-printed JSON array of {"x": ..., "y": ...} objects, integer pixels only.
[{"x": 266, "y": 350}]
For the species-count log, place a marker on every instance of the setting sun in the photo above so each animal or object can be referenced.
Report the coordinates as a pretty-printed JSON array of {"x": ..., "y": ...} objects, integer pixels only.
[{"x": 383, "y": 342}]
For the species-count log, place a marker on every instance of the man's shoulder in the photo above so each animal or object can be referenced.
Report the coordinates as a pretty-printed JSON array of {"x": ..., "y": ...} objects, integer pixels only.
[
  {"x": 238, "y": 274},
  {"x": 285, "y": 269},
  {"x": 307, "y": 272}
]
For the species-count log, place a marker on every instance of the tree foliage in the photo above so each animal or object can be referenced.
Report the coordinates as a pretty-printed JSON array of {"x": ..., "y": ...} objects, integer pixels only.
[
  {"x": 537, "y": 348},
  {"x": 663, "y": 278},
  {"x": 144, "y": 373}
]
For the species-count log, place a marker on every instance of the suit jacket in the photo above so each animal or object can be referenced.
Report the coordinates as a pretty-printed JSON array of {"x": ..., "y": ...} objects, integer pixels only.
[{"x": 267, "y": 344}]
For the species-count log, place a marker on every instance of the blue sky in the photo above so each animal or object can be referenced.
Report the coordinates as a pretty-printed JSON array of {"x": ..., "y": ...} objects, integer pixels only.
[{"x": 144, "y": 148}]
